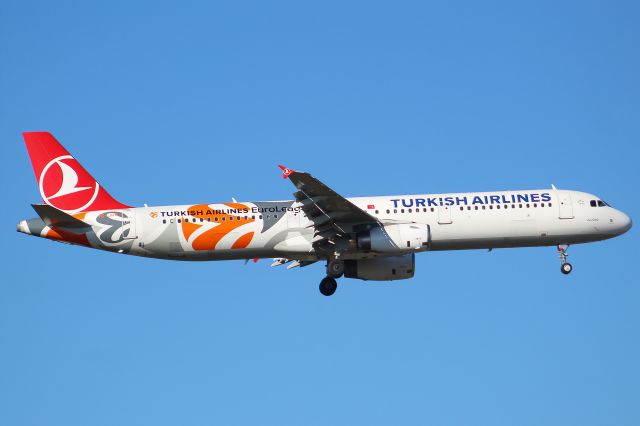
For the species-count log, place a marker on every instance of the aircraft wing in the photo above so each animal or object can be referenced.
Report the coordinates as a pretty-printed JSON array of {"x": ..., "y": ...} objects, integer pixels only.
[{"x": 333, "y": 216}]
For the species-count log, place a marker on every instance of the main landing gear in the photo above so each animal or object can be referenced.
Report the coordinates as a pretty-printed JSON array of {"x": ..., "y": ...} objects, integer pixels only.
[
  {"x": 328, "y": 285},
  {"x": 566, "y": 267}
]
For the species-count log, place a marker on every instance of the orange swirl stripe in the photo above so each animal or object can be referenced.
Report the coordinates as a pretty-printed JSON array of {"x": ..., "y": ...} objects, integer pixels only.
[{"x": 217, "y": 230}]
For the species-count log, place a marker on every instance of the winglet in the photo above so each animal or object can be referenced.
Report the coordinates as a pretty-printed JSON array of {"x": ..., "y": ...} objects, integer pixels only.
[{"x": 286, "y": 172}]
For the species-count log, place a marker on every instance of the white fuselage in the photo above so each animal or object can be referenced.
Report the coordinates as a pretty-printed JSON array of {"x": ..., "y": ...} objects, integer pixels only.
[{"x": 456, "y": 221}]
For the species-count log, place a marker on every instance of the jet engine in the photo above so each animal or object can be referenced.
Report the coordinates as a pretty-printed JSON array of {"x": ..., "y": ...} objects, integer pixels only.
[
  {"x": 395, "y": 238},
  {"x": 381, "y": 268}
]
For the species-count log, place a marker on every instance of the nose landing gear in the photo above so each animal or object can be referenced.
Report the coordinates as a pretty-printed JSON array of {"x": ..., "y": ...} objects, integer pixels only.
[{"x": 566, "y": 267}]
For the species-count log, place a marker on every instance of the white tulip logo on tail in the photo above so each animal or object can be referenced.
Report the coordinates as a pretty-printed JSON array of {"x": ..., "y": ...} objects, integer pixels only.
[{"x": 62, "y": 188}]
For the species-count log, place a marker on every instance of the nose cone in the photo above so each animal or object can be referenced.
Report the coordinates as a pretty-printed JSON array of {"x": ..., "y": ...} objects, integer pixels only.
[
  {"x": 622, "y": 223},
  {"x": 626, "y": 223}
]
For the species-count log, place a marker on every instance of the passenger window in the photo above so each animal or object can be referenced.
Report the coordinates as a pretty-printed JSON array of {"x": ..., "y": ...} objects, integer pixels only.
[
  {"x": 275, "y": 216},
  {"x": 461, "y": 208},
  {"x": 388, "y": 211},
  {"x": 484, "y": 207},
  {"x": 535, "y": 205},
  {"x": 409, "y": 210},
  {"x": 215, "y": 218},
  {"x": 164, "y": 220},
  {"x": 432, "y": 210},
  {"x": 513, "y": 206},
  {"x": 490, "y": 207},
  {"x": 527, "y": 205},
  {"x": 549, "y": 204},
  {"x": 260, "y": 217},
  {"x": 178, "y": 220},
  {"x": 476, "y": 207},
  {"x": 401, "y": 210},
  {"x": 395, "y": 210},
  {"x": 424, "y": 209},
  {"x": 541, "y": 204},
  {"x": 468, "y": 207},
  {"x": 377, "y": 212},
  {"x": 498, "y": 207},
  {"x": 208, "y": 219}
]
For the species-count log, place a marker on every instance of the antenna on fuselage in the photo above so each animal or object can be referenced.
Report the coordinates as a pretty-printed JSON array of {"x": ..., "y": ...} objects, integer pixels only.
[{"x": 553, "y": 186}]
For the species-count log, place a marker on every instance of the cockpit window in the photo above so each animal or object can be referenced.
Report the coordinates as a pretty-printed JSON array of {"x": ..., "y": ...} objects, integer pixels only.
[
  {"x": 593, "y": 203},
  {"x": 602, "y": 204}
]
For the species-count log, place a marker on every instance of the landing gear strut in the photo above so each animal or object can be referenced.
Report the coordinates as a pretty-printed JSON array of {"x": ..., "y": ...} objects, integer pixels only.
[
  {"x": 566, "y": 267},
  {"x": 328, "y": 286},
  {"x": 335, "y": 268}
]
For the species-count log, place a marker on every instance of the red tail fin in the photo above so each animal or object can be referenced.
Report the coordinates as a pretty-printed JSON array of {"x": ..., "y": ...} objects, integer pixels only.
[{"x": 63, "y": 182}]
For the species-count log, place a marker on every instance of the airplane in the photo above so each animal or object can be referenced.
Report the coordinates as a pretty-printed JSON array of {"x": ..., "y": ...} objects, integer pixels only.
[{"x": 367, "y": 238}]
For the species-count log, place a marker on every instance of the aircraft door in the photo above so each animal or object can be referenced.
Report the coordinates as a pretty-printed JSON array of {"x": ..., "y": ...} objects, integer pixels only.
[
  {"x": 444, "y": 215},
  {"x": 565, "y": 205},
  {"x": 116, "y": 226},
  {"x": 129, "y": 225}
]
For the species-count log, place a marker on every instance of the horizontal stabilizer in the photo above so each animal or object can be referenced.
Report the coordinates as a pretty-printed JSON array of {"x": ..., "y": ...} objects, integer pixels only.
[{"x": 56, "y": 218}]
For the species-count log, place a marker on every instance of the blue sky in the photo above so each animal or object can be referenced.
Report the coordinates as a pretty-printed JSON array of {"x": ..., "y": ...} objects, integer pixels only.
[{"x": 180, "y": 102}]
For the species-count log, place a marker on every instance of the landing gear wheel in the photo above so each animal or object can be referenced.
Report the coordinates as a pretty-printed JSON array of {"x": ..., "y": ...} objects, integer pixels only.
[
  {"x": 566, "y": 267},
  {"x": 335, "y": 268},
  {"x": 328, "y": 286}
]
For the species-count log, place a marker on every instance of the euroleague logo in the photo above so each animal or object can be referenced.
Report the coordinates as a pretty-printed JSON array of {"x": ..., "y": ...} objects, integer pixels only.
[{"x": 63, "y": 188}]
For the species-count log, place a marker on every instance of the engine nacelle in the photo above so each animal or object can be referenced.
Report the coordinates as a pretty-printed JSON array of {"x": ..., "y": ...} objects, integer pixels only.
[
  {"x": 397, "y": 238},
  {"x": 381, "y": 268}
]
